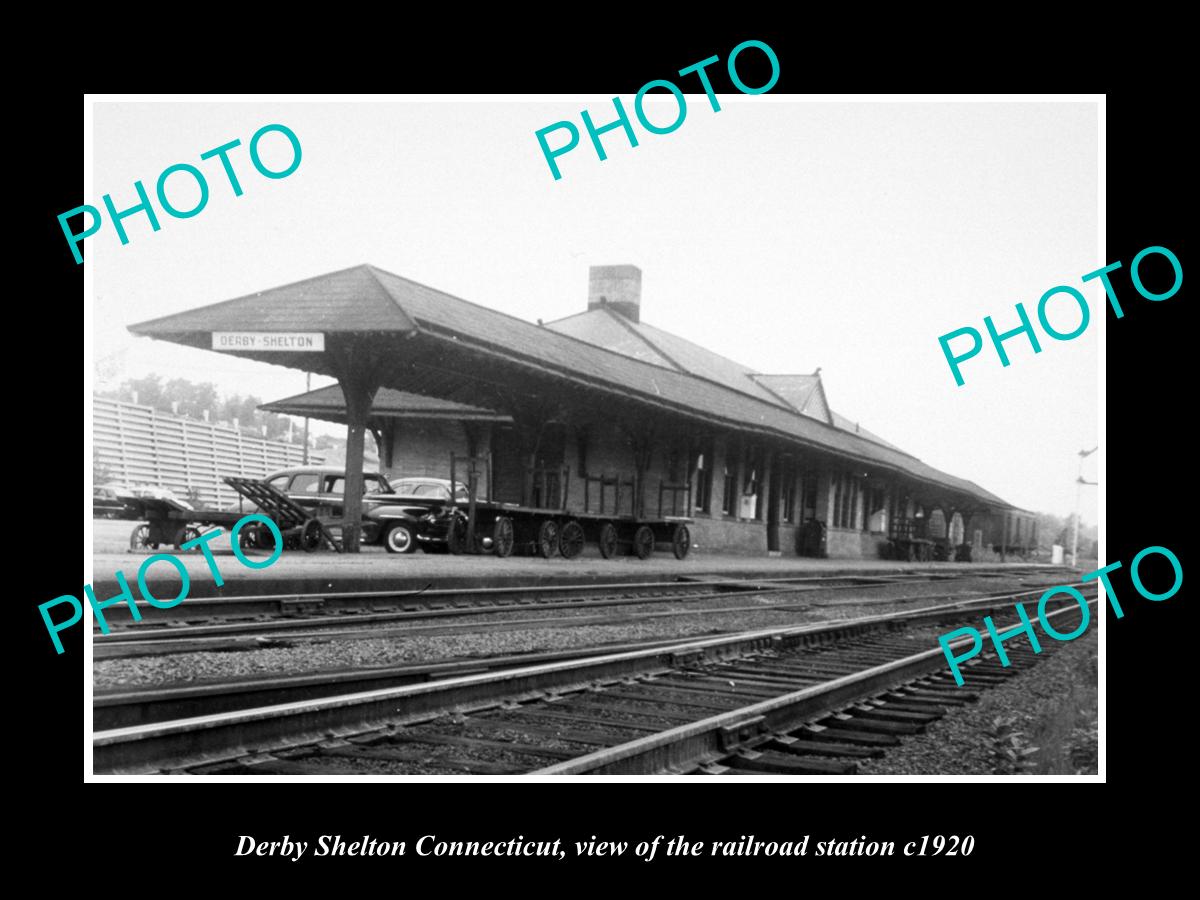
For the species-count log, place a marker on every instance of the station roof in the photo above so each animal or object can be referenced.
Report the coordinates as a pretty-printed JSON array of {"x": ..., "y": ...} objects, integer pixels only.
[
  {"x": 804, "y": 393},
  {"x": 605, "y": 327},
  {"x": 329, "y": 403},
  {"x": 432, "y": 343},
  {"x": 846, "y": 424}
]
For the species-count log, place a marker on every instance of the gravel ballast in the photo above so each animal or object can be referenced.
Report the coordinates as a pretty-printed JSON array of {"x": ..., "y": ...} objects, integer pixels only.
[
  {"x": 1054, "y": 704},
  {"x": 381, "y": 646}
]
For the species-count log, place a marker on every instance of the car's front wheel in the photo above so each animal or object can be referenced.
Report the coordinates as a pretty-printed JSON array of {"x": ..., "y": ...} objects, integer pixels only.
[{"x": 399, "y": 539}]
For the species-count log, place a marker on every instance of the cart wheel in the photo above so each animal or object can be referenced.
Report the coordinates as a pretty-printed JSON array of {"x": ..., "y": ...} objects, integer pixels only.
[
  {"x": 570, "y": 539},
  {"x": 547, "y": 539},
  {"x": 183, "y": 534},
  {"x": 248, "y": 537},
  {"x": 140, "y": 538},
  {"x": 681, "y": 541},
  {"x": 264, "y": 538},
  {"x": 456, "y": 536},
  {"x": 502, "y": 536},
  {"x": 643, "y": 542},
  {"x": 311, "y": 536},
  {"x": 608, "y": 540}
]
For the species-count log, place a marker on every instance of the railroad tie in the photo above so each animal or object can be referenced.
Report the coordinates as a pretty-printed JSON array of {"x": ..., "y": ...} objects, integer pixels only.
[
  {"x": 888, "y": 713},
  {"x": 775, "y": 763},
  {"x": 847, "y": 735},
  {"x": 802, "y": 747},
  {"x": 874, "y": 726},
  {"x": 454, "y": 740}
]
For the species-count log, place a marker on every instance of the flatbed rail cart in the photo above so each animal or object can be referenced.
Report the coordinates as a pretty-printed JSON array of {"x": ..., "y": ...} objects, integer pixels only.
[
  {"x": 550, "y": 527},
  {"x": 169, "y": 522}
]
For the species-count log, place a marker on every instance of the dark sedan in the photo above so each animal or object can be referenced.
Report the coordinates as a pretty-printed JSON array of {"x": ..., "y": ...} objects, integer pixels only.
[{"x": 401, "y": 517}]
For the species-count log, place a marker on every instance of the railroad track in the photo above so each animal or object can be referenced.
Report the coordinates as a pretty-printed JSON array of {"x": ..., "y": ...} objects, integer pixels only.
[
  {"x": 235, "y": 623},
  {"x": 823, "y": 729},
  {"x": 645, "y": 710},
  {"x": 126, "y": 707},
  {"x": 464, "y": 599}
]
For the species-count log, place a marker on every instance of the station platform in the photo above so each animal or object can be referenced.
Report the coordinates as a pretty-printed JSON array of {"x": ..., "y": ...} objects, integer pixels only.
[{"x": 373, "y": 569}]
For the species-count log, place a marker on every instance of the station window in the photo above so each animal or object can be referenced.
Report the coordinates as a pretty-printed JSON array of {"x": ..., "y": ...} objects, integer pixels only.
[
  {"x": 808, "y": 498},
  {"x": 936, "y": 528},
  {"x": 729, "y": 499},
  {"x": 846, "y": 490},
  {"x": 787, "y": 485},
  {"x": 751, "y": 483},
  {"x": 875, "y": 515},
  {"x": 672, "y": 466},
  {"x": 704, "y": 476}
]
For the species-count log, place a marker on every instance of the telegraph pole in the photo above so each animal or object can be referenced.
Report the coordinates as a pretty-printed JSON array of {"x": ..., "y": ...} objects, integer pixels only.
[{"x": 1079, "y": 483}]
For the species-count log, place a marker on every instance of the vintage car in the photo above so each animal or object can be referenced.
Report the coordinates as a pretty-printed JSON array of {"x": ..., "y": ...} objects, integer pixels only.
[
  {"x": 156, "y": 492},
  {"x": 114, "y": 502},
  {"x": 413, "y": 512}
]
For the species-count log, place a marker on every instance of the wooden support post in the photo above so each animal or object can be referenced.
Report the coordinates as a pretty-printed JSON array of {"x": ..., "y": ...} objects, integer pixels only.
[
  {"x": 356, "y": 373},
  {"x": 770, "y": 485},
  {"x": 472, "y": 488},
  {"x": 359, "y": 395}
]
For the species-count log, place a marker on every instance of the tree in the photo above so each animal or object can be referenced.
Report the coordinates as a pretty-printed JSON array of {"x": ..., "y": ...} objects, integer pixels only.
[
  {"x": 188, "y": 398},
  {"x": 148, "y": 390},
  {"x": 192, "y": 399},
  {"x": 1050, "y": 530}
]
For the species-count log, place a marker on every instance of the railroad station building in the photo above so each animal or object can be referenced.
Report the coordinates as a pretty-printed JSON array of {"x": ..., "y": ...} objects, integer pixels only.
[{"x": 601, "y": 407}]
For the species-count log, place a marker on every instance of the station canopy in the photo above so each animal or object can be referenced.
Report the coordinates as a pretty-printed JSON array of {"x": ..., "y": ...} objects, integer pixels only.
[
  {"x": 383, "y": 330},
  {"x": 327, "y": 403}
]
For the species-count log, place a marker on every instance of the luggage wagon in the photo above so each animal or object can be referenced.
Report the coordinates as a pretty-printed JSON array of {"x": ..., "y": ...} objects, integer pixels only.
[
  {"x": 553, "y": 528},
  {"x": 171, "y": 523}
]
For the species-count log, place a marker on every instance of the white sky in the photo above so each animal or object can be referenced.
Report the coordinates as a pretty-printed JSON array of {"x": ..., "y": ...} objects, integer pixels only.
[{"x": 783, "y": 234}]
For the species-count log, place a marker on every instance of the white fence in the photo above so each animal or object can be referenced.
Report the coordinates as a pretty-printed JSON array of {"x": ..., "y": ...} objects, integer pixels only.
[{"x": 137, "y": 445}]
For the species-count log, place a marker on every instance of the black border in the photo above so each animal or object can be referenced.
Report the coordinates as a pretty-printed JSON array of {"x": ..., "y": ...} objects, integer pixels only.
[{"x": 199, "y": 828}]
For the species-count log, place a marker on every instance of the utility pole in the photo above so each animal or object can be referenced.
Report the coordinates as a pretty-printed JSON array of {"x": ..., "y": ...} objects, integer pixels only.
[
  {"x": 1079, "y": 483},
  {"x": 307, "y": 389}
]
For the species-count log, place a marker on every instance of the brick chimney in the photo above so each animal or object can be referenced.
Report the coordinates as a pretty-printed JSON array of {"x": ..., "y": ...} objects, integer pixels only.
[{"x": 617, "y": 287}]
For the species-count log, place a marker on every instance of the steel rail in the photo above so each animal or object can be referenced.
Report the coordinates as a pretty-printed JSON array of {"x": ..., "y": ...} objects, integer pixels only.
[
  {"x": 217, "y": 736},
  {"x": 685, "y": 747},
  {"x": 294, "y": 603}
]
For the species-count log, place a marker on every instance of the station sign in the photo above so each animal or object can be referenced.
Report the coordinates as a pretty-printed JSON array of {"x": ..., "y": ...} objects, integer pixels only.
[{"x": 287, "y": 341}]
